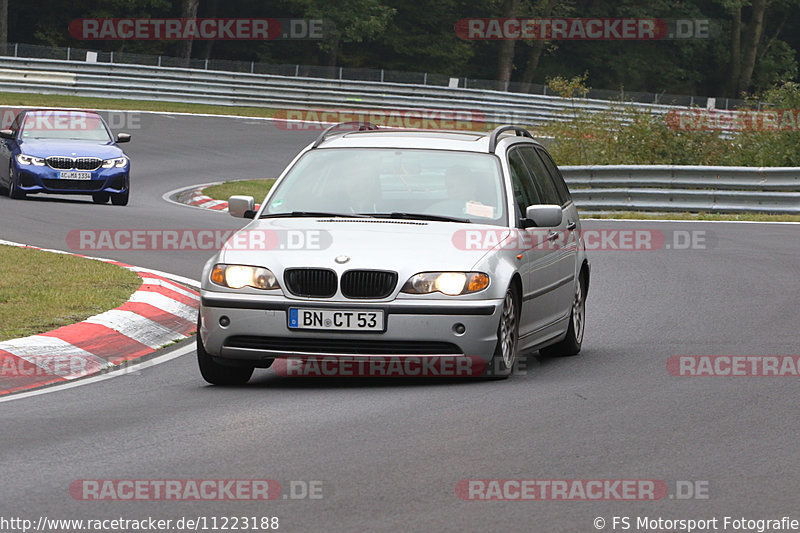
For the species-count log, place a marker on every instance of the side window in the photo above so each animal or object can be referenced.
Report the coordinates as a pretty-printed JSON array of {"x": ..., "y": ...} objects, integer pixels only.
[
  {"x": 541, "y": 176},
  {"x": 563, "y": 191},
  {"x": 524, "y": 191}
]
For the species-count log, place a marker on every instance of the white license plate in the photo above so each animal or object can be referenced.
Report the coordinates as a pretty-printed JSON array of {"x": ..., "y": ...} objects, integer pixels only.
[
  {"x": 336, "y": 319},
  {"x": 72, "y": 175}
]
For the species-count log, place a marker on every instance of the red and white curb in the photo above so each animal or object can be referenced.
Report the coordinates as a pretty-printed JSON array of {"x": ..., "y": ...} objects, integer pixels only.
[
  {"x": 198, "y": 199},
  {"x": 193, "y": 196},
  {"x": 159, "y": 313}
]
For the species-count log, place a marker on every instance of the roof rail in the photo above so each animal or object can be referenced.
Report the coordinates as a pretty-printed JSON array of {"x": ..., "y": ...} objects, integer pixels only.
[
  {"x": 362, "y": 126},
  {"x": 493, "y": 138}
]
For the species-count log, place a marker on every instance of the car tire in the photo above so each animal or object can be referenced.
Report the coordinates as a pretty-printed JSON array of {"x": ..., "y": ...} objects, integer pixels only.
[
  {"x": 506, "y": 350},
  {"x": 571, "y": 345},
  {"x": 100, "y": 197},
  {"x": 13, "y": 190},
  {"x": 121, "y": 198},
  {"x": 218, "y": 374}
]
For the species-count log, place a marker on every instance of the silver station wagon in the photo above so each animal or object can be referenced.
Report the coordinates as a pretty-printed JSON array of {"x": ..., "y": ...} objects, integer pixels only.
[{"x": 387, "y": 244}]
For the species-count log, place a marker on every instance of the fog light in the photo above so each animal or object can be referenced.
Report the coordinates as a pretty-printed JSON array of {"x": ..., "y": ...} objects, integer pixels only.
[
  {"x": 224, "y": 321},
  {"x": 459, "y": 328}
]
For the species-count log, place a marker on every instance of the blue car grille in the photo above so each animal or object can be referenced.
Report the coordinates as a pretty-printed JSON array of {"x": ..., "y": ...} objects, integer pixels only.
[
  {"x": 74, "y": 185},
  {"x": 77, "y": 163}
]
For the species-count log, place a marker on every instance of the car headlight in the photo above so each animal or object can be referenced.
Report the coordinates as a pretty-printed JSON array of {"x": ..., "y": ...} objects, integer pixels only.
[
  {"x": 239, "y": 276},
  {"x": 118, "y": 162},
  {"x": 23, "y": 159},
  {"x": 450, "y": 283}
]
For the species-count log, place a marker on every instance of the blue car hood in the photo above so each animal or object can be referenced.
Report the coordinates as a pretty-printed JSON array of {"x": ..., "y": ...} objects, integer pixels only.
[{"x": 48, "y": 147}]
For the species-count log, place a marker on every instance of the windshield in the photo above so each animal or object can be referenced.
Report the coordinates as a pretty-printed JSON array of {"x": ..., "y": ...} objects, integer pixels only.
[
  {"x": 433, "y": 183},
  {"x": 65, "y": 126}
]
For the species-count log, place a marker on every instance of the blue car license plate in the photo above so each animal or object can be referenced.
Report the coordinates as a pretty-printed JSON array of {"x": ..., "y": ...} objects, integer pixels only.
[{"x": 73, "y": 175}]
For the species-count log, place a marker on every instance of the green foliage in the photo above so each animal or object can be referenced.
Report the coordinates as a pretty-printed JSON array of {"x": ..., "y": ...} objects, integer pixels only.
[
  {"x": 644, "y": 138},
  {"x": 569, "y": 88},
  {"x": 418, "y": 35}
]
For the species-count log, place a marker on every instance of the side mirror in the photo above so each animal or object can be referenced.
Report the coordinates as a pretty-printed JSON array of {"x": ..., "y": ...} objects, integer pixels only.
[
  {"x": 242, "y": 206},
  {"x": 123, "y": 137},
  {"x": 544, "y": 216},
  {"x": 6, "y": 134}
]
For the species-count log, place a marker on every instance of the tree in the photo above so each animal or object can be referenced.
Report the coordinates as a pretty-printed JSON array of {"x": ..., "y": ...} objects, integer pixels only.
[
  {"x": 505, "y": 60},
  {"x": 544, "y": 9},
  {"x": 747, "y": 43},
  {"x": 3, "y": 26},
  {"x": 347, "y": 21},
  {"x": 188, "y": 11}
]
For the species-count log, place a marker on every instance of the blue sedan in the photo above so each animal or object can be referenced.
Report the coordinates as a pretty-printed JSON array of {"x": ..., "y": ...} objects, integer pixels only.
[{"x": 64, "y": 152}]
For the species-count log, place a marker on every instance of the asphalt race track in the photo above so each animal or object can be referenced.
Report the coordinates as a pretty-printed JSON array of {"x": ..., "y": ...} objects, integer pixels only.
[{"x": 390, "y": 452}]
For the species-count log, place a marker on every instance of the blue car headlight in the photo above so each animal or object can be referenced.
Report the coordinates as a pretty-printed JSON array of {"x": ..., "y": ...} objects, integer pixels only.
[
  {"x": 117, "y": 162},
  {"x": 23, "y": 159}
]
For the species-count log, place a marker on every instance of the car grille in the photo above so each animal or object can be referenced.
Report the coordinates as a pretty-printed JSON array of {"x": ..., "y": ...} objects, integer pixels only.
[
  {"x": 78, "y": 163},
  {"x": 342, "y": 346},
  {"x": 74, "y": 185},
  {"x": 368, "y": 283},
  {"x": 310, "y": 282}
]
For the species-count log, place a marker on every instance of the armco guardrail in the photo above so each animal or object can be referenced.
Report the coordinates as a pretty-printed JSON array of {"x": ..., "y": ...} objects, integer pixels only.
[
  {"x": 349, "y": 73},
  {"x": 685, "y": 188},
  {"x": 112, "y": 80},
  {"x": 595, "y": 188}
]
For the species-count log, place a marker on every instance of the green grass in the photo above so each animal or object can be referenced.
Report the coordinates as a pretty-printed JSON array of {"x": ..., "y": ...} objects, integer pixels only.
[
  {"x": 736, "y": 217},
  {"x": 41, "y": 291},
  {"x": 258, "y": 189},
  {"x": 57, "y": 100}
]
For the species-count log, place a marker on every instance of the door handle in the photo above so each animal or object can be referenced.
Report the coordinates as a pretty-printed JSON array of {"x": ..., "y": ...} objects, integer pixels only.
[
  {"x": 552, "y": 236},
  {"x": 571, "y": 225}
]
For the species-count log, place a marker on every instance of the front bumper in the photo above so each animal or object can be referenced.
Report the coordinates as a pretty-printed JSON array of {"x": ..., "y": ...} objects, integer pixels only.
[
  {"x": 258, "y": 330},
  {"x": 44, "y": 179}
]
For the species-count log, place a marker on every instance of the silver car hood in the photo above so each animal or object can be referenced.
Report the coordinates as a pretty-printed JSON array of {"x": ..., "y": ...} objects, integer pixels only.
[{"x": 404, "y": 246}]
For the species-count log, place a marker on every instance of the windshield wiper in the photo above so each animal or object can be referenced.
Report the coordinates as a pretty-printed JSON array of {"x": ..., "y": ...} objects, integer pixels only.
[
  {"x": 421, "y": 216},
  {"x": 299, "y": 214}
]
